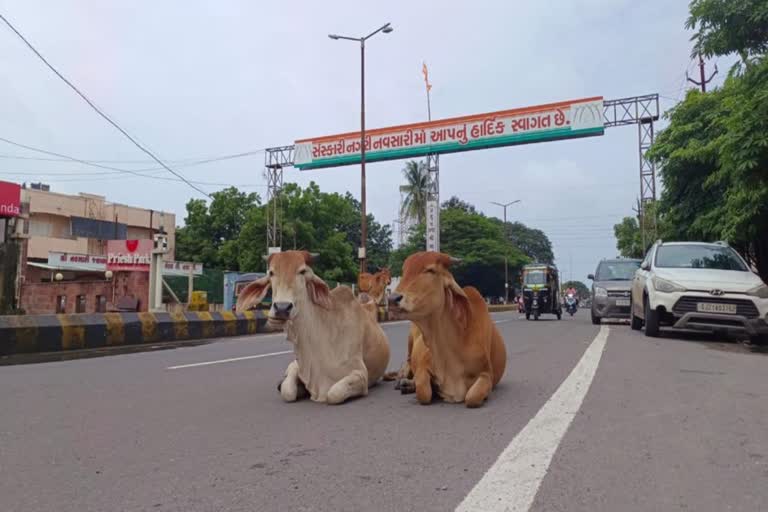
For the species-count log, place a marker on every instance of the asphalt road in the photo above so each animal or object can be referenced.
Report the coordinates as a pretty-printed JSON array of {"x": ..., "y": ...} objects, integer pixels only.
[{"x": 584, "y": 419}]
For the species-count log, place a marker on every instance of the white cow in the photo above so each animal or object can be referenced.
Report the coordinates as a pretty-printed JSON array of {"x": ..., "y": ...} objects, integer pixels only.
[{"x": 340, "y": 349}]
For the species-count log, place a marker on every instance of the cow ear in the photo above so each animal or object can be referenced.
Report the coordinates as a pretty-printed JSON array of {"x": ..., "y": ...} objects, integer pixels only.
[
  {"x": 457, "y": 301},
  {"x": 252, "y": 294},
  {"x": 319, "y": 292},
  {"x": 310, "y": 257}
]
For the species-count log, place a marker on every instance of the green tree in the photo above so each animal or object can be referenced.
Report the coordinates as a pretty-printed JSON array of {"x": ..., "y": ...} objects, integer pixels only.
[
  {"x": 211, "y": 232},
  {"x": 477, "y": 240},
  {"x": 629, "y": 236},
  {"x": 582, "y": 291},
  {"x": 230, "y": 233},
  {"x": 416, "y": 188},
  {"x": 723, "y": 27},
  {"x": 455, "y": 202},
  {"x": 534, "y": 243}
]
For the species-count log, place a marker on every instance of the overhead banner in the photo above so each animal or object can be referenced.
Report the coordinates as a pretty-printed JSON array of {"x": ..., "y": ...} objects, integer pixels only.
[{"x": 564, "y": 120}]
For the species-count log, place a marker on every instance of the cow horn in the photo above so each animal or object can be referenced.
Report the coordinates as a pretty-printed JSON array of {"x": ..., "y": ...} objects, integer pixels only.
[
  {"x": 455, "y": 261},
  {"x": 313, "y": 256}
]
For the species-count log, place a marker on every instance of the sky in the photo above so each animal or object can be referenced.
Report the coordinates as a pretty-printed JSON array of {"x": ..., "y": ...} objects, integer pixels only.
[{"x": 198, "y": 79}]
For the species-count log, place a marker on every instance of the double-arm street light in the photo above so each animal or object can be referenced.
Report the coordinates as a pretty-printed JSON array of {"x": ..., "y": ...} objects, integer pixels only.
[
  {"x": 506, "y": 262},
  {"x": 386, "y": 29}
]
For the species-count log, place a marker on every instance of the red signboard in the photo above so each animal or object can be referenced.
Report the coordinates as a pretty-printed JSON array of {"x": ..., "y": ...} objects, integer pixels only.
[
  {"x": 129, "y": 254},
  {"x": 10, "y": 199}
]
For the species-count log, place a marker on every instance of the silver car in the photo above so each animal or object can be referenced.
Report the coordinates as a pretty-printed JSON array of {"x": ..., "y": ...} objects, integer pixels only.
[{"x": 611, "y": 285}]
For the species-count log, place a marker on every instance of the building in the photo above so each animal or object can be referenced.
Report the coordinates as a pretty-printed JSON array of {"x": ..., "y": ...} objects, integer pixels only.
[{"x": 64, "y": 248}]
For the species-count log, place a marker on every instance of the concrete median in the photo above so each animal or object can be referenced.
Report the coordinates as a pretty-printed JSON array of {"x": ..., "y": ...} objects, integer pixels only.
[{"x": 52, "y": 333}]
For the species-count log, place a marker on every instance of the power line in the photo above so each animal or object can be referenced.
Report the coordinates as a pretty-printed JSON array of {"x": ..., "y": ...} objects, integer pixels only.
[
  {"x": 104, "y": 175},
  {"x": 184, "y": 162},
  {"x": 98, "y": 111}
]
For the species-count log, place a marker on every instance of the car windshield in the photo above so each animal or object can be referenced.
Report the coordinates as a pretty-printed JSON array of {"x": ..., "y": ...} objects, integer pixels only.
[
  {"x": 699, "y": 256},
  {"x": 535, "y": 277},
  {"x": 616, "y": 270}
]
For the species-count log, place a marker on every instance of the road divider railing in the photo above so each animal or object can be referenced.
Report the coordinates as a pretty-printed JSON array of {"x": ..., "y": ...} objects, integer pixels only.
[{"x": 21, "y": 334}]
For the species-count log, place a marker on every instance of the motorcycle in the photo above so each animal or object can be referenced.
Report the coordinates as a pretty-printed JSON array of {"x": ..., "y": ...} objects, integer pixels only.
[{"x": 570, "y": 304}]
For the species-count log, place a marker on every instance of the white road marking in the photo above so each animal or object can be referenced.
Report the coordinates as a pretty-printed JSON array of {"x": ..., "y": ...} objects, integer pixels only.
[
  {"x": 206, "y": 363},
  {"x": 502, "y": 321},
  {"x": 513, "y": 480}
]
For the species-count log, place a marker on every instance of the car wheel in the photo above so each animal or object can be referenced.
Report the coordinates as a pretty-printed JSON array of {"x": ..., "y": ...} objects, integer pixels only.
[
  {"x": 651, "y": 320},
  {"x": 595, "y": 319},
  {"x": 759, "y": 339},
  {"x": 635, "y": 323},
  {"x": 560, "y": 315},
  {"x": 527, "y": 316}
]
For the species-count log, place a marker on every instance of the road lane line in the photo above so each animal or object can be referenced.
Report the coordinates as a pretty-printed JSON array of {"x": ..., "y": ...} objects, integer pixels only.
[
  {"x": 259, "y": 356},
  {"x": 206, "y": 363},
  {"x": 513, "y": 480}
]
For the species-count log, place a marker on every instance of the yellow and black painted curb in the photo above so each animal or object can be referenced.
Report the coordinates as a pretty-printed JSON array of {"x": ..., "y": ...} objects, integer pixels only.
[{"x": 51, "y": 333}]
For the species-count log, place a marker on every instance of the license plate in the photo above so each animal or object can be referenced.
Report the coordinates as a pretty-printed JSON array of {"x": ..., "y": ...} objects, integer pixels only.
[
  {"x": 622, "y": 302},
  {"x": 708, "y": 307}
]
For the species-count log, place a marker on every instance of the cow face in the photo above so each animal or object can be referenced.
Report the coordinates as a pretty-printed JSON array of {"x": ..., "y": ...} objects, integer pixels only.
[
  {"x": 427, "y": 287},
  {"x": 294, "y": 287}
]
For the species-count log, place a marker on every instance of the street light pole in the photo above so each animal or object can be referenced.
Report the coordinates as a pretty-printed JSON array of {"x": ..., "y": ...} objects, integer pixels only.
[
  {"x": 364, "y": 217},
  {"x": 506, "y": 261}
]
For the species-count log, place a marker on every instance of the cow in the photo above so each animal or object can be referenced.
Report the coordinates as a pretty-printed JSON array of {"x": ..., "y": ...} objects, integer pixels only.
[
  {"x": 455, "y": 349},
  {"x": 373, "y": 288},
  {"x": 340, "y": 350},
  {"x": 375, "y": 285}
]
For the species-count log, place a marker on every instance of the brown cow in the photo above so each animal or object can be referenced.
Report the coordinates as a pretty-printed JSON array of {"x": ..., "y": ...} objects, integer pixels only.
[
  {"x": 340, "y": 350},
  {"x": 454, "y": 346},
  {"x": 374, "y": 285}
]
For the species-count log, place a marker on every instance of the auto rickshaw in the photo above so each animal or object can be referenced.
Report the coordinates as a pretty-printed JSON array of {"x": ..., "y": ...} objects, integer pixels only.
[{"x": 541, "y": 288}]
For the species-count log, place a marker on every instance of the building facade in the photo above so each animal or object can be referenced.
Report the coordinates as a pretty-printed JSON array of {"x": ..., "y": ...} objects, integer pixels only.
[{"x": 52, "y": 223}]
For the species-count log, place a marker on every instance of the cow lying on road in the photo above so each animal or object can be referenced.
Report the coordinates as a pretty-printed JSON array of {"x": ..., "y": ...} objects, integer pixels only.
[
  {"x": 454, "y": 346},
  {"x": 340, "y": 350},
  {"x": 374, "y": 285},
  {"x": 373, "y": 288}
]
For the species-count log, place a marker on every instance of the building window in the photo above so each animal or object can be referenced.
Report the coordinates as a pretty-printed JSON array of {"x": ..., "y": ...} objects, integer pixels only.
[
  {"x": 61, "y": 304},
  {"x": 101, "y": 304},
  {"x": 80, "y": 304}
]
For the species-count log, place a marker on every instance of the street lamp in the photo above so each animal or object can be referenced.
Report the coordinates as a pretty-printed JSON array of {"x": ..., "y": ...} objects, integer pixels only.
[
  {"x": 386, "y": 29},
  {"x": 506, "y": 262}
]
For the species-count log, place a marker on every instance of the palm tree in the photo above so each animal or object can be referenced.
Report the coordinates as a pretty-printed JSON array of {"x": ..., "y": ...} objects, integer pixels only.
[{"x": 416, "y": 190}]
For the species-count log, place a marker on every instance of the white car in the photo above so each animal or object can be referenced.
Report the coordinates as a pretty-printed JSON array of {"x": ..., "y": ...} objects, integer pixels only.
[{"x": 695, "y": 285}]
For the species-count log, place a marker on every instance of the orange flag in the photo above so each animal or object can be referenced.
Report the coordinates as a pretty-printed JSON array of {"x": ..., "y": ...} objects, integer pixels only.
[{"x": 426, "y": 76}]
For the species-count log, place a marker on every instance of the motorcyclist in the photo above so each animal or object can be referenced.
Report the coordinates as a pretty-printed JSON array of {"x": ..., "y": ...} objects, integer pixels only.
[{"x": 572, "y": 291}]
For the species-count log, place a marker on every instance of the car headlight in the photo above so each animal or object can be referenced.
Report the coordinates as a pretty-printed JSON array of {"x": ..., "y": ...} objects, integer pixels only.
[
  {"x": 600, "y": 292},
  {"x": 664, "y": 286},
  {"x": 760, "y": 291}
]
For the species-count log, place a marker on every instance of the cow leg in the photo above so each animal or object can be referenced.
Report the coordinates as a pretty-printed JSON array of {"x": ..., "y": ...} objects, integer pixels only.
[
  {"x": 479, "y": 391},
  {"x": 423, "y": 384},
  {"x": 289, "y": 388},
  {"x": 405, "y": 374},
  {"x": 354, "y": 384}
]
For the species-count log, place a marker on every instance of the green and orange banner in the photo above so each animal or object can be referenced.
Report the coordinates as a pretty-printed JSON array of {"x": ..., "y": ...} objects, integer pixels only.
[{"x": 554, "y": 121}]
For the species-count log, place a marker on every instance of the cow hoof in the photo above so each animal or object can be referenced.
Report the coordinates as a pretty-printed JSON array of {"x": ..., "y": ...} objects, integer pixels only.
[{"x": 407, "y": 386}]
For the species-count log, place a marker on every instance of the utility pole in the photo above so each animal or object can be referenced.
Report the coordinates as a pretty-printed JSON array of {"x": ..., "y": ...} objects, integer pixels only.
[
  {"x": 703, "y": 81},
  {"x": 386, "y": 29},
  {"x": 506, "y": 261}
]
